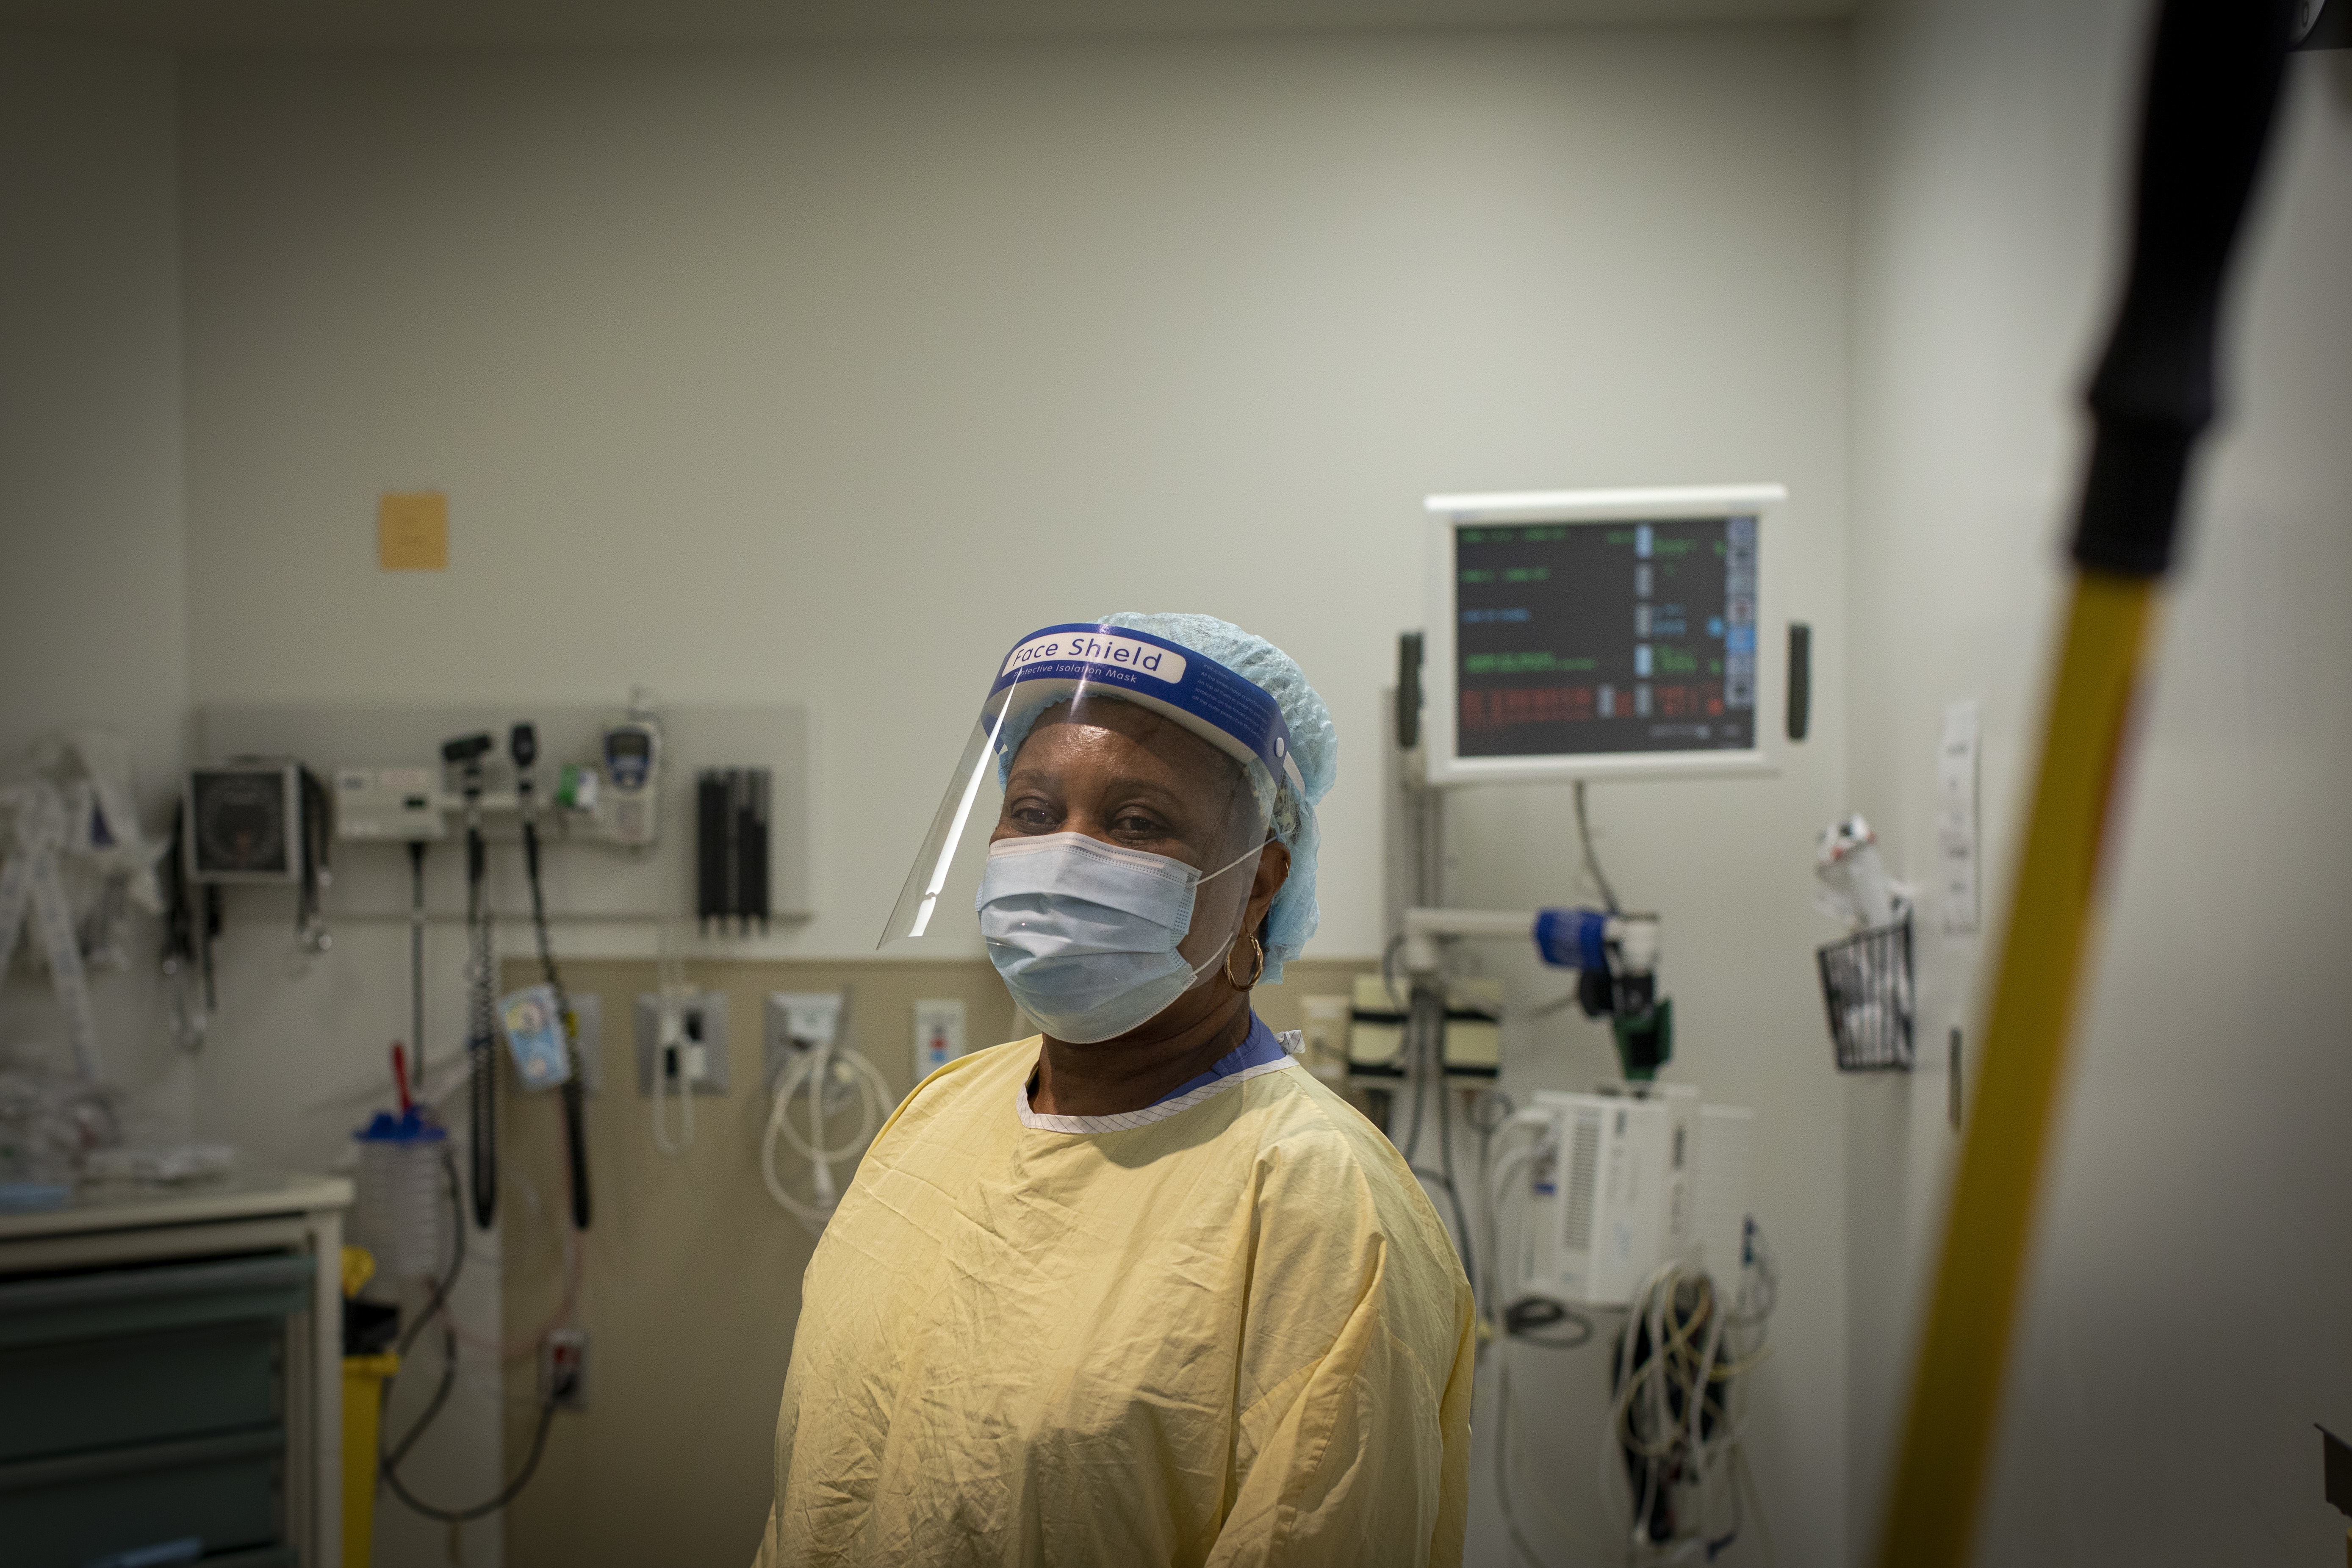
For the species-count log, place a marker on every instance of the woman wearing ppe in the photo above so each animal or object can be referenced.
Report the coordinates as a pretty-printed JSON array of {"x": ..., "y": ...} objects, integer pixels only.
[{"x": 1137, "y": 1289}]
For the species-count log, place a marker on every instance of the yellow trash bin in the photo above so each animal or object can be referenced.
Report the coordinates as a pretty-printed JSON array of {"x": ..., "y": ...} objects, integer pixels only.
[{"x": 363, "y": 1380}]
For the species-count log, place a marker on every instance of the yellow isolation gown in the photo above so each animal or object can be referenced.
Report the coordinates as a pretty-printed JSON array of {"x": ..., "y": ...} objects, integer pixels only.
[{"x": 1227, "y": 1329}]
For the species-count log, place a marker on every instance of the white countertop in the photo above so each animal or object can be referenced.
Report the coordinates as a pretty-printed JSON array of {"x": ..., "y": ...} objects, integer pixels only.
[{"x": 133, "y": 1205}]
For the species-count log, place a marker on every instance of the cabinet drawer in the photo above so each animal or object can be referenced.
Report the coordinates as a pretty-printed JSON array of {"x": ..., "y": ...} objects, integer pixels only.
[
  {"x": 223, "y": 1489},
  {"x": 78, "y": 1395},
  {"x": 102, "y": 1302}
]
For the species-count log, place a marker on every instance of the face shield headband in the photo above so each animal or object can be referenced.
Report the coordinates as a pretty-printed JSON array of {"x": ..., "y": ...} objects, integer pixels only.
[{"x": 1058, "y": 663}]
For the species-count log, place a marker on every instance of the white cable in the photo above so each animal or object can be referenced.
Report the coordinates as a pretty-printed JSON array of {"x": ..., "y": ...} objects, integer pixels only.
[
  {"x": 1696, "y": 1400},
  {"x": 1643, "y": 1310},
  {"x": 671, "y": 1052},
  {"x": 670, "y": 1048},
  {"x": 820, "y": 1081},
  {"x": 787, "y": 1085},
  {"x": 815, "y": 1070},
  {"x": 1494, "y": 1187},
  {"x": 873, "y": 1101},
  {"x": 820, "y": 1076},
  {"x": 1499, "y": 1179},
  {"x": 1506, "y": 1172}
]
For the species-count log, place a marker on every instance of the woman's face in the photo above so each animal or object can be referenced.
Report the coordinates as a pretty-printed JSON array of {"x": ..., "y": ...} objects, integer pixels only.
[{"x": 1121, "y": 773}]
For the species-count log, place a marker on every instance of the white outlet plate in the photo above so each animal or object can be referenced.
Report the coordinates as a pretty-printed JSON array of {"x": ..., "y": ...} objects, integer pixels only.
[
  {"x": 705, "y": 1013},
  {"x": 788, "y": 1016},
  {"x": 940, "y": 1035},
  {"x": 564, "y": 1356}
]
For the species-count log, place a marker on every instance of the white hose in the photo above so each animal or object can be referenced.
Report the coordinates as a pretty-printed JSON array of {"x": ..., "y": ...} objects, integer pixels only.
[
  {"x": 670, "y": 1049},
  {"x": 820, "y": 1075},
  {"x": 1496, "y": 1183},
  {"x": 815, "y": 1071},
  {"x": 670, "y": 1044}
]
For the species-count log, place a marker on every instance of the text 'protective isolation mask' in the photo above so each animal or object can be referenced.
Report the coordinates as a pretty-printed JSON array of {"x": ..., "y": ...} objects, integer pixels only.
[{"x": 1085, "y": 932}]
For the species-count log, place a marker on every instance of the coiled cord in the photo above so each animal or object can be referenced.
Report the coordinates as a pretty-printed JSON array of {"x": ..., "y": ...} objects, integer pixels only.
[
  {"x": 814, "y": 1070},
  {"x": 482, "y": 1036},
  {"x": 436, "y": 1306},
  {"x": 576, "y": 1130}
]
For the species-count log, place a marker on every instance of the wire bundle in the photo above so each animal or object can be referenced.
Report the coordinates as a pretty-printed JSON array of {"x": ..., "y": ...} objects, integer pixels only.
[
  {"x": 481, "y": 1052},
  {"x": 574, "y": 1091},
  {"x": 1673, "y": 1442}
]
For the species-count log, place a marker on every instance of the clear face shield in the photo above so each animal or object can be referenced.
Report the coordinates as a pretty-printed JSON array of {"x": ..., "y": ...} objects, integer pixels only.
[{"x": 1122, "y": 738}]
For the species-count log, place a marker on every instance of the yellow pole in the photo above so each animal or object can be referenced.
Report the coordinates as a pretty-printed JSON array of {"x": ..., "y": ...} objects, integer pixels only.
[
  {"x": 2214, "y": 80},
  {"x": 1956, "y": 1401},
  {"x": 363, "y": 1380}
]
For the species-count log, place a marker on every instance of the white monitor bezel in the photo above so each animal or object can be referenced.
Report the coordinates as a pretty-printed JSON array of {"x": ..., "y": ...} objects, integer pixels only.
[{"x": 1439, "y": 681}]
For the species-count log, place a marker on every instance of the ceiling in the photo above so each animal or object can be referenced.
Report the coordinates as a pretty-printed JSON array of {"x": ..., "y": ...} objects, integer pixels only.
[{"x": 435, "y": 24}]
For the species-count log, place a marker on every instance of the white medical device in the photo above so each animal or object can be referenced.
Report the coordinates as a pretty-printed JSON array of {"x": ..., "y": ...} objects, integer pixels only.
[
  {"x": 1624, "y": 1182},
  {"x": 245, "y": 822},
  {"x": 613, "y": 799},
  {"x": 1591, "y": 634},
  {"x": 401, "y": 803},
  {"x": 630, "y": 802}
]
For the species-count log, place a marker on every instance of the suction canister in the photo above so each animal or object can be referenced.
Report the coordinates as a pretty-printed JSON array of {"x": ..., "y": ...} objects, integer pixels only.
[{"x": 402, "y": 1212}]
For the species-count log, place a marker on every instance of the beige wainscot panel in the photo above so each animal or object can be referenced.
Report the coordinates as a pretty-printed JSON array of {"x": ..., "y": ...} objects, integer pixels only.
[{"x": 689, "y": 1281}]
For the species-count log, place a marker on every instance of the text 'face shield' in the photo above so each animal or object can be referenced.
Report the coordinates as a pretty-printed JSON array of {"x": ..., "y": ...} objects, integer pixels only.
[{"x": 1099, "y": 681}]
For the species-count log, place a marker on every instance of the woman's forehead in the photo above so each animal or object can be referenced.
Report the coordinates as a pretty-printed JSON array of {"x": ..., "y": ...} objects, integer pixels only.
[{"x": 1128, "y": 739}]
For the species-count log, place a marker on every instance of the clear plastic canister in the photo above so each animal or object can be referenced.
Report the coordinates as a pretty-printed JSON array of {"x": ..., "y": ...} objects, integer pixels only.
[{"x": 402, "y": 1212}]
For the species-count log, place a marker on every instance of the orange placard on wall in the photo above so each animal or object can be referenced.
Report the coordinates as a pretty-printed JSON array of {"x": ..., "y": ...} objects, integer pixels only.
[{"x": 412, "y": 532}]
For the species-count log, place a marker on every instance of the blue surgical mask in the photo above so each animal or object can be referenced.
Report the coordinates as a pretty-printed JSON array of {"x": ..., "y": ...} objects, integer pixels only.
[{"x": 1085, "y": 932}]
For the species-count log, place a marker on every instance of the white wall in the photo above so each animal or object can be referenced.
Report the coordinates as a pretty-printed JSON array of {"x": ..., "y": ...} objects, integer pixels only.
[
  {"x": 823, "y": 374},
  {"x": 2183, "y": 1321},
  {"x": 826, "y": 372},
  {"x": 93, "y": 615}
]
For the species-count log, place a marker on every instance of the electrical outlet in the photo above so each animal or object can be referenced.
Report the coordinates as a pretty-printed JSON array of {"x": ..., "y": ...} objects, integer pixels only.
[
  {"x": 703, "y": 1028},
  {"x": 939, "y": 1034},
  {"x": 792, "y": 1021},
  {"x": 563, "y": 1370}
]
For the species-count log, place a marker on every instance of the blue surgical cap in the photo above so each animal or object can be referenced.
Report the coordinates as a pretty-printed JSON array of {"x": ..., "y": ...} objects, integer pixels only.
[{"x": 1314, "y": 747}]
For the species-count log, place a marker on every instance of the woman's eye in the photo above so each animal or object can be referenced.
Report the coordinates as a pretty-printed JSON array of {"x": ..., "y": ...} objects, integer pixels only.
[
  {"x": 1135, "y": 824},
  {"x": 1032, "y": 814}
]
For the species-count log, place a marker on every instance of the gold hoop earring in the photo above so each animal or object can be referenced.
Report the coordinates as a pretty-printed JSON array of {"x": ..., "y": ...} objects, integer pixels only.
[{"x": 1257, "y": 947}]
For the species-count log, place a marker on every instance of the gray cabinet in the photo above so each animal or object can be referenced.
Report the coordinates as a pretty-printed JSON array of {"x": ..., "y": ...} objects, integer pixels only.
[{"x": 169, "y": 1371}]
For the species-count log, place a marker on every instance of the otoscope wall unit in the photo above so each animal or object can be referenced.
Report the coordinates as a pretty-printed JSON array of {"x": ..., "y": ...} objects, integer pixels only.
[{"x": 614, "y": 798}]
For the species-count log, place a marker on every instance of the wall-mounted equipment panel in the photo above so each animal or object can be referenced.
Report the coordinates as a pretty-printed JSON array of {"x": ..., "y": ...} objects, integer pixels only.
[{"x": 616, "y": 784}]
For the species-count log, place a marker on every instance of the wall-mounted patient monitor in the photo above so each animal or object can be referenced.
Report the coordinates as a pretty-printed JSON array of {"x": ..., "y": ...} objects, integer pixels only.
[{"x": 1586, "y": 634}]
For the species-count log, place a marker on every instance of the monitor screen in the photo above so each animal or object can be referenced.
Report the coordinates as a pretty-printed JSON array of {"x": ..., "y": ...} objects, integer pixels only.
[{"x": 1580, "y": 639}]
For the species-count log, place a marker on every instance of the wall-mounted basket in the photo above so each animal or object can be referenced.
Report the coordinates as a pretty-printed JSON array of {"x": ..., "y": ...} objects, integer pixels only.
[{"x": 1866, "y": 990}]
